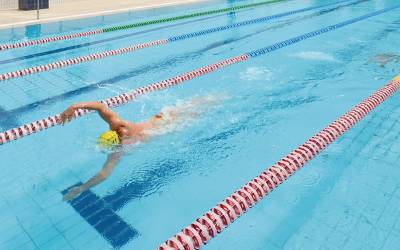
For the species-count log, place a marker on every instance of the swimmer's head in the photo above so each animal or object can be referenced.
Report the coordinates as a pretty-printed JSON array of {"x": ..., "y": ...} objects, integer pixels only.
[{"x": 108, "y": 140}]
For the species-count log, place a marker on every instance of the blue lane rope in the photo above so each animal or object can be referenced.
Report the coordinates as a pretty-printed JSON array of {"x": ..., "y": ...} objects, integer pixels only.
[
  {"x": 297, "y": 39},
  {"x": 257, "y": 20}
]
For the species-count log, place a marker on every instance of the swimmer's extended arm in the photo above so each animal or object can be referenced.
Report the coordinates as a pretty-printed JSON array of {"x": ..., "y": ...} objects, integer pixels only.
[
  {"x": 112, "y": 160},
  {"x": 107, "y": 114},
  {"x": 108, "y": 166}
]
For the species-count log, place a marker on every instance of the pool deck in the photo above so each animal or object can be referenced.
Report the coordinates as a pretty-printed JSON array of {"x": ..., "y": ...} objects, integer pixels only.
[{"x": 80, "y": 9}]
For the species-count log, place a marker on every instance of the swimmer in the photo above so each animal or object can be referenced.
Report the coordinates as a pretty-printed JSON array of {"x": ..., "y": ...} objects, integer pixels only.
[
  {"x": 385, "y": 58},
  {"x": 123, "y": 132}
]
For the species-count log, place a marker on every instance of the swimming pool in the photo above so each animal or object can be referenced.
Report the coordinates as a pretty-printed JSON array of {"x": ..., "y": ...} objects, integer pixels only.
[{"x": 347, "y": 197}]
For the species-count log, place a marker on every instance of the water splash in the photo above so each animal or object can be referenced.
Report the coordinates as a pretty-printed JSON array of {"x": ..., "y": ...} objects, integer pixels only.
[
  {"x": 316, "y": 56},
  {"x": 186, "y": 112},
  {"x": 256, "y": 73}
]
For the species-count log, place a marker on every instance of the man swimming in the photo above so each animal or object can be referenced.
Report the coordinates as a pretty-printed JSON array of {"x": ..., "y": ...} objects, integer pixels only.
[
  {"x": 121, "y": 132},
  {"x": 124, "y": 132}
]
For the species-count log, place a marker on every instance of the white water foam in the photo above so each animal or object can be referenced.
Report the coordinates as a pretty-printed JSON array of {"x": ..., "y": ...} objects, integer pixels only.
[
  {"x": 256, "y": 73},
  {"x": 315, "y": 55},
  {"x": 185, "y": 112}
]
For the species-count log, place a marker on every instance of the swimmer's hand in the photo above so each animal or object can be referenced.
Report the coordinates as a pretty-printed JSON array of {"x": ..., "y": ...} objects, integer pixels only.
[
  {"x": 68, "y": 114},
  {"x": 72, "y": 194},
  {"x": 105, "y": 113}
]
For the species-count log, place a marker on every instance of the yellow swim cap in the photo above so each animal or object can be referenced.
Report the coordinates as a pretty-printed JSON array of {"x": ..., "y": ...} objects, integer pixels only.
[{"x": 108, "y": 139}]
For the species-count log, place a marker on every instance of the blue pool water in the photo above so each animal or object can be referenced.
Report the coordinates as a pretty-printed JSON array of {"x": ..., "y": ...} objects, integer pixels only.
[{"x": 346, "y": 198}]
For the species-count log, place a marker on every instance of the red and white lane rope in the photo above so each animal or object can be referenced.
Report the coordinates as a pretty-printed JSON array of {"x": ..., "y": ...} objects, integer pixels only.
[
  {"x": 206, "y": 227},
  {"x": 81, "y": 59},
  {"x": 49, "y": 39},
  {"x": 33, "y": 127}
]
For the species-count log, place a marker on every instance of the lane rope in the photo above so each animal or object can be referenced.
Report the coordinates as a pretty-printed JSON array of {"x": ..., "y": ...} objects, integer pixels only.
[
  {"x": 30, "y": 128},
  {"x": 130, "y": 26},
  {"x": 134, "y": 47},
  {"x": 206, "y": 227}
]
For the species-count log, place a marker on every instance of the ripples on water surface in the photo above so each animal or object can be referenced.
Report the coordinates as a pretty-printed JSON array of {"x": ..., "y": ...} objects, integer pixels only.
[{"x": 267, "y": 106}]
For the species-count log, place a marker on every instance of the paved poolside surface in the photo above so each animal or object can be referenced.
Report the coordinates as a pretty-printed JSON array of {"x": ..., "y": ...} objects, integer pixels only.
[{"x": 79, "y": 9}]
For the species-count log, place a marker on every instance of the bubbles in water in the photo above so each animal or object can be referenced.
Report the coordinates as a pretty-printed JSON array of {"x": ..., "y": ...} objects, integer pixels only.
[
  {"x": 315, "y": 55},
  {"x": 256, "y": 73},
  {"x": 115, "y": 89}
]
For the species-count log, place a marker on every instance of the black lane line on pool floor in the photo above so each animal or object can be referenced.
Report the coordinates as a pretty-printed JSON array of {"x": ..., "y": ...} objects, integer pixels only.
[
  {"x": 161, "y": 65},
  {"x": 95, "y": 211},
  {"x": 7, "y": 119}
]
